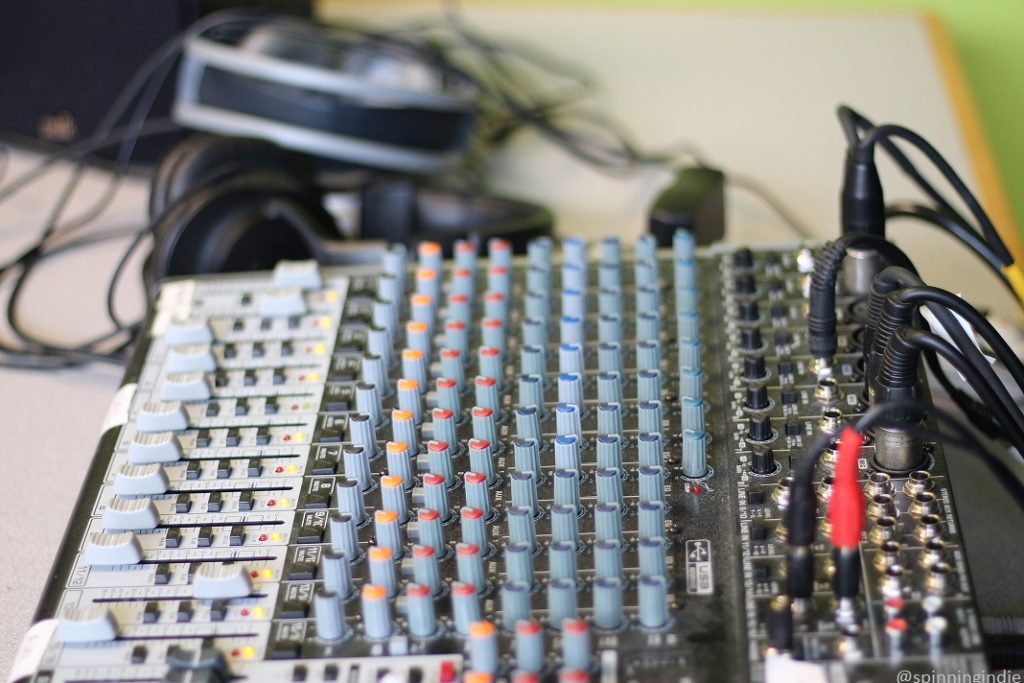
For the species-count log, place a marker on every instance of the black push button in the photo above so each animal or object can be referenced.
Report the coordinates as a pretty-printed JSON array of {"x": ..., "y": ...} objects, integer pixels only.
[
  {"x": 184, "y": 612},
  {"x": 294, "y": 609},
  {"x": 218, "y": 610},
  {"x": 223, "y": 469},
  {"x": 183, "y": 503},
  {"x": 150, "y": 613},
  {"x": 205, "y": 539},
  {"x": 302, "y": 571}
]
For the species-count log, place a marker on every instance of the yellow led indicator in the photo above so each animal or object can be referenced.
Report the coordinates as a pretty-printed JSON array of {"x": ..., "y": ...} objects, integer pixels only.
[
  {"x": 285, "y": 502},
  {"x": 320, "y": 349},
  {"x": 300, "y": 437},
  {"x": 275, "y": 537},
  {"x": 268, "y": 574},
  {"x": 248, "y": 652},
  {"x": 307, "y": 406},
  {"x": 292, "y": 469},
  {"x": 325, "y": 322},
  {"x": 313, "y": 377},
  {"x": 331, "y": 296},
  {"x": 259, "y": 612}
]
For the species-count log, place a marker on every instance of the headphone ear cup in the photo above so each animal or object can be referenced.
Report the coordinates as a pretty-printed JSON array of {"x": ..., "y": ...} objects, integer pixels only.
[
  {"x": 247, "y": 222},
  {"x": 204, "y": 159}
]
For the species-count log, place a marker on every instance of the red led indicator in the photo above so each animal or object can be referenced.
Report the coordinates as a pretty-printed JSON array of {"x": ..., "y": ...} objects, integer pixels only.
[{"x": 271, "y": 503}]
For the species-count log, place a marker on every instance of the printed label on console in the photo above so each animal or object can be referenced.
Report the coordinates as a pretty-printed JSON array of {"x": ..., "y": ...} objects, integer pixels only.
[
  {"x": 117, "y": 413},
  {"x": 30, "y": 653},
  {"x": 699, "y": 580}
]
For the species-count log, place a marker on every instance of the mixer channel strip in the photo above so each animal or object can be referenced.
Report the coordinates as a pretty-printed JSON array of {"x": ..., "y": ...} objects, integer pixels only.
[{"x": 565, "y": 466}]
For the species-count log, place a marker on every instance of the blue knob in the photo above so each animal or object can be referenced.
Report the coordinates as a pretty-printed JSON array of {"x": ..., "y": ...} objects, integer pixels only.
[
  {"x": 608, "y": 521},
  {"x": 561, "y": 594},
  {"x": 609, "y": 450},
  {"x": 608, "y": 602},
  {"x": 695, "y": 456},
  {"x": 609, "y": 418},
  {"x": 609, "y": 357}
]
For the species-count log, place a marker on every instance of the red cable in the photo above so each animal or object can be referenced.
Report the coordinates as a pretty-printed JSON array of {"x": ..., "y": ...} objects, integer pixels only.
[{"x": 846, "y": 506}]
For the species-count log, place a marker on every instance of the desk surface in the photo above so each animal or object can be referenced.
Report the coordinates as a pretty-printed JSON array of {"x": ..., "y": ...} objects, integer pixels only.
[{"x": 756, "y": 93}]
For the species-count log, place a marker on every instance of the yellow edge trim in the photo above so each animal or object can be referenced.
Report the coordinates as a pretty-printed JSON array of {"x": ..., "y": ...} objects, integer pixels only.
[{"x": 990, "y": 187}]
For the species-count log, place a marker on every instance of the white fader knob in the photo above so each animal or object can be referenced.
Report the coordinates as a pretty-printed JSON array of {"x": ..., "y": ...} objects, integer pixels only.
[
  {"x": 157, "y": 447},
  {"x": 216, "y": 581},
  {"x": 141, "y": 480},
  {"x": 108, "y": 549},
  {"x": 190, "y": 357},
  {"x": 301, "y": 274},
  {"x": 130, "y": 513},
  {"x": 88, "y": 623},
  {"x": 282, "y": 302},
  {"x": 162, "y": 416},
  {"x": 188, "y": 332},
  {"x": 185, "y": 386}
]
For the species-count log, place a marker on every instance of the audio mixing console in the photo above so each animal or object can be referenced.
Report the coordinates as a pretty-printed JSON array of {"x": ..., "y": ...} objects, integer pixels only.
[{"x": 571, "y": 466}]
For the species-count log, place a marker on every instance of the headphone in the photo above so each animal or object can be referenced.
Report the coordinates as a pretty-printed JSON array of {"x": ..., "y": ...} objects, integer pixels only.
[{"x": 220, "y": 204}]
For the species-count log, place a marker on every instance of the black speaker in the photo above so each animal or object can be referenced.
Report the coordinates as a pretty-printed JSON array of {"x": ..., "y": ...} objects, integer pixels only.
[{"x": 64, "y": 63}]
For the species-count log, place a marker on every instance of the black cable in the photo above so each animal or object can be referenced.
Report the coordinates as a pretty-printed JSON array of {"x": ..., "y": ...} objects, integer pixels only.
[
  {"x": 800, "y": 519},
  {"x": 937, "y": 218},
  {"x": 885, "y": 315},
  {"x": 70, "y": 357},
  {"x": 754, "y": 187},
  {"x": 853, "y": 122},
  {"x": 987, "y": 331},
  {"x": 908, "y": 340},
  {"x": 85, "y": 147},
  {"x": 866, "y": 148},
  {"x": 127, "y": 146}
]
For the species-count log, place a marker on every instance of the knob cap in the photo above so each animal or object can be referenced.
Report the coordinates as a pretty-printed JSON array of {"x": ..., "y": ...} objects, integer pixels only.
[
  {"x": 757, "y": 398},
  {"x": 763, "y": 462},
  {"x": 753, "y": 368},
  {"x": 750, "y": 339},
  {"x": 419, "y": 606},
  {"x": 760, "y": 428},
  {"x": 329, "y": 609},
  {"x": 695, "y": 457}
]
